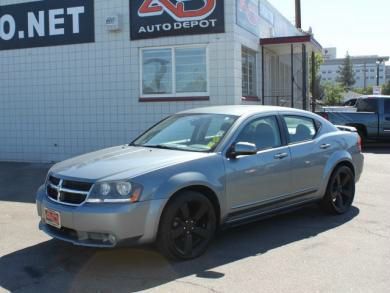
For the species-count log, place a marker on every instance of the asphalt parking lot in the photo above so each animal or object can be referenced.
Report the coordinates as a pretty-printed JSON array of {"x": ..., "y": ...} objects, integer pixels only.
[{"x": 304, "y": 251}]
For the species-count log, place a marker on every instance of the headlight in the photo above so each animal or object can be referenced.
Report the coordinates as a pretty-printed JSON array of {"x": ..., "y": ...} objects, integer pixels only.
[
  {"x": 123, "y": 188},
  {"x": 117, "y": 191}
]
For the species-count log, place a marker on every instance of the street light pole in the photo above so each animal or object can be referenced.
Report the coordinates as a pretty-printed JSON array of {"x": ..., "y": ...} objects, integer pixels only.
[{"x": 377, "y": 71}]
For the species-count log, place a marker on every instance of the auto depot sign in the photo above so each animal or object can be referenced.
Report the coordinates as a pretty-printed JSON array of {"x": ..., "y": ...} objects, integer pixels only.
[
  {"x": 46, "y": 23},
  {"x": 159, "y": 18}
]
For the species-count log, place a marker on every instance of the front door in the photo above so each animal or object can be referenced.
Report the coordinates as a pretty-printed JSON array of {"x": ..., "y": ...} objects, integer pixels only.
[{"x": 253, "y": 180}]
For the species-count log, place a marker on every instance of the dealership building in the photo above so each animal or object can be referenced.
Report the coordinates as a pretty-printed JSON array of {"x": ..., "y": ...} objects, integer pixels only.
[{"x": 80, "y": 75}]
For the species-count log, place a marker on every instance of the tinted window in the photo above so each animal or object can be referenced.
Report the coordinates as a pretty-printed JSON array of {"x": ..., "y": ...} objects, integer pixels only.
[
  {"x": 367, "y": 105},
  {"x": 300, "y": 128},
  {"x": 263, "y": 132},
  {"x": 387, "y": 106}
]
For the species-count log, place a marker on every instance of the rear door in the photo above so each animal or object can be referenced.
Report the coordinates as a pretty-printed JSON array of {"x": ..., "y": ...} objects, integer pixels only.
[
  {"x": 386, "y": 119},
  {"x": 309, "y": 153}
]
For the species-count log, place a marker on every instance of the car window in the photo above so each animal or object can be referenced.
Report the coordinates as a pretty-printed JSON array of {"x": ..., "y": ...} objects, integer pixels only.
[
  {"x": 387, "y": 106},
  {"x": 300, "y": 128},
  {"x": 263, "y": 132},
  {"x": 350, "y": 102},
  {"x": 367, "y": 105},
  {"x": 191, "y": 132}
]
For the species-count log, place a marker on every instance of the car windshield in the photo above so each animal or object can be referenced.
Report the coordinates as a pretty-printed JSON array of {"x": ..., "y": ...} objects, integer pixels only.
[{"x": 189, "y": 132}]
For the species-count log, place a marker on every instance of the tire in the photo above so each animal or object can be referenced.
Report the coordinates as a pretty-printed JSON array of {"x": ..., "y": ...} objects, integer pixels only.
[
  {"x": 187, "y": 226},
  {"x": 340, "y": 191}
]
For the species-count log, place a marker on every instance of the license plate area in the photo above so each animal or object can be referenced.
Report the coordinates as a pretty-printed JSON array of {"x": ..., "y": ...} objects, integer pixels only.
[{"x": 53, "y": 218}]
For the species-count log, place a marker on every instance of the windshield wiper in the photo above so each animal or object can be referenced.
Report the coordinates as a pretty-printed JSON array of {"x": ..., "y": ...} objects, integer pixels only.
[{"x": 159, "y": 146}]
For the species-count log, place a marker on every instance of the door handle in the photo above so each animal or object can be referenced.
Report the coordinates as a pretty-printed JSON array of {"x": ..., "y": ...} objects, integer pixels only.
[
  {"x": 325, "y": 146},
  {"x": 281, "y": 156}
]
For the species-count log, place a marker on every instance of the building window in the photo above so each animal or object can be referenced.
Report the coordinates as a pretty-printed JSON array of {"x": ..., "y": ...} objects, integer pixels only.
[
  {"x": 179, "y": 71},
  {"x": 357, "y": 70},
  {"x": 248, "y": 73}
]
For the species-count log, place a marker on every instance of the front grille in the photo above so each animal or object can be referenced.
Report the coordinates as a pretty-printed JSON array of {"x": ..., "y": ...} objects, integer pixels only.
[
  {"x": 67, "y": 191},
  {"x": 54, "y": 180}
]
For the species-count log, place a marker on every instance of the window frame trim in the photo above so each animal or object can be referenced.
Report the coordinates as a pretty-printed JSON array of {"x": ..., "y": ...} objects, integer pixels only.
[
  {"x": 256, "y": 95},
  {"x": 174, "y": 94}
]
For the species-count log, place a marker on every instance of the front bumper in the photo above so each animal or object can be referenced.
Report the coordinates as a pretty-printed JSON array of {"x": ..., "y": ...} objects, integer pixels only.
[{"x": 102, "y": 224}]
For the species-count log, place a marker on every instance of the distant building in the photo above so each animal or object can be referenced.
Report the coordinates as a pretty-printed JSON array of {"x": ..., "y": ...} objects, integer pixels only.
[
  {"x": 329, "y": 53},
  {"x": 364, "y": 67},
  {"x": 387, "y": 73}
]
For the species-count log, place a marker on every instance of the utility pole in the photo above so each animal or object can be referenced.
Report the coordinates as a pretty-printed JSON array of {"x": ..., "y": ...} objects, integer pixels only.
[
  {"x": 298, "y": 17},
  {"x": 377, "y": 73}
]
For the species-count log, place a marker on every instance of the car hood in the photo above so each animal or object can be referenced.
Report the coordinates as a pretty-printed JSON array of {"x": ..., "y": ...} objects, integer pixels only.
[{"x": 121, "y": 162}]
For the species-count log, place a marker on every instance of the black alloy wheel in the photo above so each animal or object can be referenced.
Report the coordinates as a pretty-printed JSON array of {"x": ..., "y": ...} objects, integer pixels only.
[
  {"x": 187, "y": 226},
  {"x": 340, "y": 191}
]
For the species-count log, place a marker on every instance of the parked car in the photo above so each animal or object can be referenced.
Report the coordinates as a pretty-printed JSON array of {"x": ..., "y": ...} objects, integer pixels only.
[
  {"x": 348, "y": 106},
  {"x": 198, "y": 171},
  {"x": 371, "y": 118},
  {"x": 338, "y": 109}
]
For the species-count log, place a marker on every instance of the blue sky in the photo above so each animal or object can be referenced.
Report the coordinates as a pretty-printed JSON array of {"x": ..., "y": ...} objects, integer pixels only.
[{"x": 361, "y": 27}]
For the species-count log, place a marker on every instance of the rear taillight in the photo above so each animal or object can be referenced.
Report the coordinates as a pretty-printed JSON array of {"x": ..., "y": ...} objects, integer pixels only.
[{"x": 359, "y": 143}]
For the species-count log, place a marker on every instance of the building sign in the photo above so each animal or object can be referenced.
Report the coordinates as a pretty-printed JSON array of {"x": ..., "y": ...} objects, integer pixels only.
[
  {"x": 46, "y": 23},
  {"x": 248, "y": 15},
  {"x": 376, "y": 90},
  {"x": 160, "y": 18}
]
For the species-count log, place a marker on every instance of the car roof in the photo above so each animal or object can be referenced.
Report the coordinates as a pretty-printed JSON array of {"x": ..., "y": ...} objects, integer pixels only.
[
  {"x": 241, "y": 110},
  {"x": 375, "y": 96}
]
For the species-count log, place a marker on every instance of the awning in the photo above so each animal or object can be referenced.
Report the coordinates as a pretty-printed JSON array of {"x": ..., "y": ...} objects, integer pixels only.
[
  {"x": 285, "y": 67},
  {"x": 279, "y": 44}
]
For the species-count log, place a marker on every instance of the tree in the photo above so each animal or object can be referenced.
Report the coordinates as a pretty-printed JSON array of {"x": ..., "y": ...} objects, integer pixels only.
[
  {"x": 318, "y": 60},
  {"x": 386, "y": 88},
  {"x": 346, "y": 77},
  {"x": 333, "y": 94},
  {"x": 364, "y": 91}
]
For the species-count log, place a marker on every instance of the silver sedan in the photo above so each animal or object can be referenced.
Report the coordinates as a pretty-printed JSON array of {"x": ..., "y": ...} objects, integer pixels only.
[{"x": 198, "y": 171}]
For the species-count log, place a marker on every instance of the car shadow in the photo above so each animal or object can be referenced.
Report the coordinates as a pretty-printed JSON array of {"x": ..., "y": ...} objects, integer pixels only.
[
  {"x": 60, "y": 267},
  {"x": 20, "y": 181}
]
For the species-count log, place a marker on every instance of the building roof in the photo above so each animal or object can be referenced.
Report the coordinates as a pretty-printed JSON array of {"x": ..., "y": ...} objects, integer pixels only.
[
  {"x": 307, "y": 39},
  {"x": 357, "y": 60}
]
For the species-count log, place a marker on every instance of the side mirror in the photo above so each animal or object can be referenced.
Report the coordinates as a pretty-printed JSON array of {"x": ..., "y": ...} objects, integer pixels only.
[{"x": 242, "y": 149}]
